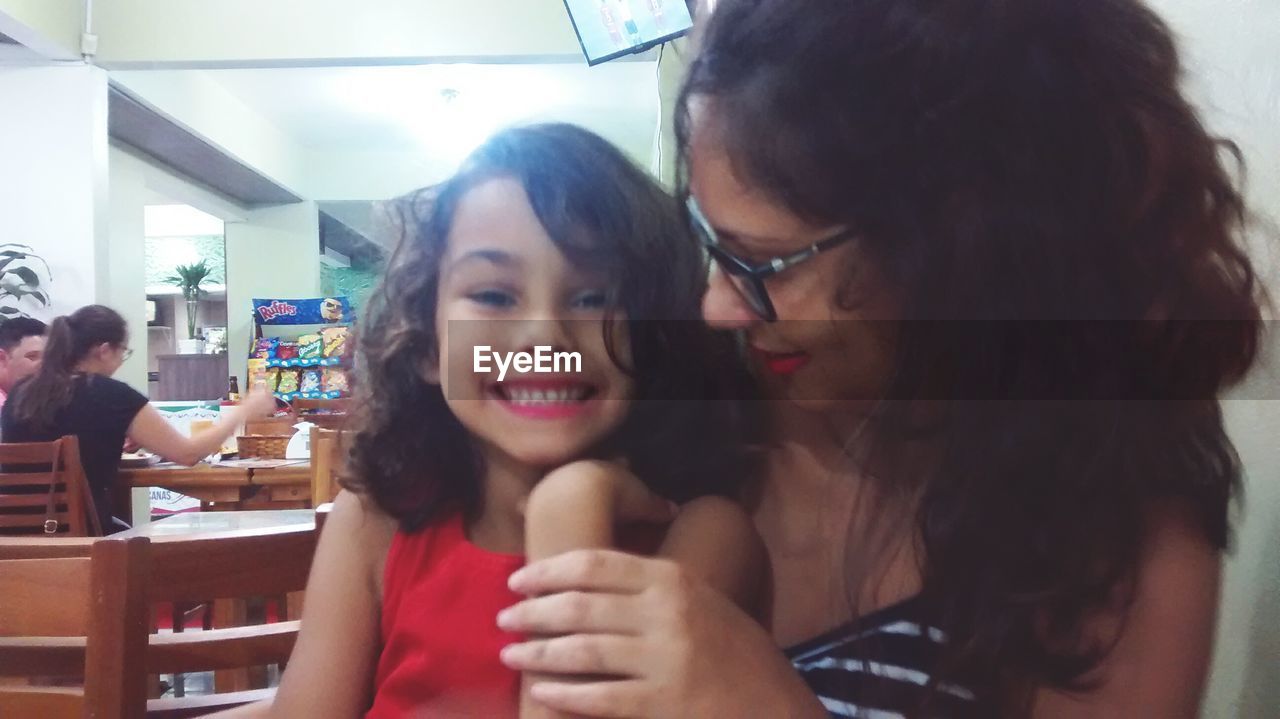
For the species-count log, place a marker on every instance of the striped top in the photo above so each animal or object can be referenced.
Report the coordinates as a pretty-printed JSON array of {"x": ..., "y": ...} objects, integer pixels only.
[{"x": 878, "y": 666}]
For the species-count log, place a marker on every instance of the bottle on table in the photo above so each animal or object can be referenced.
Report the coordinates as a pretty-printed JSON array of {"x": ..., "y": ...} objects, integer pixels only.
[{"x": 229, "y": 445}]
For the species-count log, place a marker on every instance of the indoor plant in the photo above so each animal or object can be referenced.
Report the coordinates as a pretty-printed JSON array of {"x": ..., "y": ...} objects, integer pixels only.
[
  {"x": 24, "y": 281},
  {"x": 188, "y": 279}
]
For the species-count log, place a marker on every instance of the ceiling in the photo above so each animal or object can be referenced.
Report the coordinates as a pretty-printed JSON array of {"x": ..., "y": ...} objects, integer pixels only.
[
  {"x": 374, "y": 132},
  {"x": 413, "y": 107},
  {"x": 14, "y": 53}
]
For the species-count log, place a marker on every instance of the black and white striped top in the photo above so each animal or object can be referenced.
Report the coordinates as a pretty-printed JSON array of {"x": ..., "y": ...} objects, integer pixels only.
[{"x": 878, "y": 666}]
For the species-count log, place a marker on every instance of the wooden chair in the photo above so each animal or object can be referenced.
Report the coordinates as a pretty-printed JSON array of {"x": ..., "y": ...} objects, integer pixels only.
[
  {"x": 326, "y": 459},
  {"x": 326, "y": 413},
  {"x": 336, "y": 406},
  {"x": 226, "y": 565},
  {"x": 43, "y": 490},
  {"x": 64, "y": 615},
  {"x": 270, "y": 426}
]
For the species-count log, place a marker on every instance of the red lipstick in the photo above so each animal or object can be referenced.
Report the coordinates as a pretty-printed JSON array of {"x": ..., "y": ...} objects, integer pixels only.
[{"x": 782, "y": 363}]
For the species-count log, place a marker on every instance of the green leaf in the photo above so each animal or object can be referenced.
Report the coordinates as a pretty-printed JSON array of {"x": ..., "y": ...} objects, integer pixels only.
[
  {"x": 41, "y": 297},
  {"x": 189, "y": 277},
  {"x": 27, "y": 276}
]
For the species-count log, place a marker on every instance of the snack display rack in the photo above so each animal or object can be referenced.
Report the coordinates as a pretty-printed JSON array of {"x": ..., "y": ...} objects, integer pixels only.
[{"x": 299, "y": 347}]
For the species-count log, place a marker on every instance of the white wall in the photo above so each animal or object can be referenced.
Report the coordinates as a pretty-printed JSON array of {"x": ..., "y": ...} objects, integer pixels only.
[
  {"x": 50, "y": 27},
  {"x": 233, "y": 31},
  {"x": 53, "y": 187},
  {"x": 126, "y": 257},
  {"x": 135, "y": 182},
  {"x": 672, "y": 66},
  {"x": 1233, "y": 61},
  {"x": 275, "y": 252},
  {"x": 200, "y": 104}
]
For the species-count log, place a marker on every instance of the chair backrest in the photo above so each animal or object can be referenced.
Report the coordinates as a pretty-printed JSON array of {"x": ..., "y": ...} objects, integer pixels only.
[
  {"x": 326, "y": 413},
  {"x": 337, "y": 406},
  {"x": 77, "y": 607},
  {"x": 77, "y": 614},
  {"x": 33, "y": 472},
  {"x": 326, "y": 460},
  {"x": 225, "y": 565},
  {"x": 322, "y": 515},
  {"x": 270, "y": 426}
]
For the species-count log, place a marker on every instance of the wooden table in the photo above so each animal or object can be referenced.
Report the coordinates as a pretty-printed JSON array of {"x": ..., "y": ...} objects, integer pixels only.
[
  {"x": 220, "y": 487},
  {"x": 229, "y": 612},
  {"x": 200, "y": 522}
]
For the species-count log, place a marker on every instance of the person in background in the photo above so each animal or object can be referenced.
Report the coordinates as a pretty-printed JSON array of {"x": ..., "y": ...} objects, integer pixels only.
[
  {"x": 73, "y": 393},
  {"x": 21, "y": 349}
]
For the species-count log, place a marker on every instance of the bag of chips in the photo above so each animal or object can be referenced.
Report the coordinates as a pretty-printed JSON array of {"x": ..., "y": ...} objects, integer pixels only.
[
  {"x": 272, "y": 378},
  {"x": 310, "y": 381},
  {"x": 335, "y": 341},
  {"x": 310, "y": 347},
  {"x": 335, "y": 380},
  {"x": 265, "y": 347},
  {"x": 289, "y": 380},
  {"x": 257, "y": 373}
]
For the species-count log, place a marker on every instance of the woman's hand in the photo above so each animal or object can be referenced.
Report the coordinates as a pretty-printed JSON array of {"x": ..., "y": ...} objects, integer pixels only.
[
  {"x": 259, "y": 403},
  {"x": 673, "y": 645}
]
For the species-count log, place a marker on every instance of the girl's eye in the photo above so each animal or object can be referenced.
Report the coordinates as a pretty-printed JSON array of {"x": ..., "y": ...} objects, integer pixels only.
[
  {"x": 492, "y": 298},
  {"x": 591, "y": 300}
]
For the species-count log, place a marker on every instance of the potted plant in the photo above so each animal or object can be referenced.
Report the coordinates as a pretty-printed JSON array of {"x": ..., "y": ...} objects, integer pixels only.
[
  {"x": 24, "y": 281},
  {"x": 188, "y": 279}
]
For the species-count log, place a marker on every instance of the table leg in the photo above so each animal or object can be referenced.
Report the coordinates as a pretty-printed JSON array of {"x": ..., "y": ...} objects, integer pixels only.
[{"x": 122, "y": 501}]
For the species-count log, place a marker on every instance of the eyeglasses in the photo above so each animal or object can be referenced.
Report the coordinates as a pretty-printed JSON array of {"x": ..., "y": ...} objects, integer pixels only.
[
  {"x": 127, "y": 354},
  {"x": 748, "y": 277}
]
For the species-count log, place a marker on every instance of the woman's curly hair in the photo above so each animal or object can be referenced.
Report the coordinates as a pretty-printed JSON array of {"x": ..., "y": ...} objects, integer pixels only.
[{"x": 1067, "y": 245}]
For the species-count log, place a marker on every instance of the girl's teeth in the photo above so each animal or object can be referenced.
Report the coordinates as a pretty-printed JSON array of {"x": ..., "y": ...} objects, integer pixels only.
[{"x": 524, "y": 396}]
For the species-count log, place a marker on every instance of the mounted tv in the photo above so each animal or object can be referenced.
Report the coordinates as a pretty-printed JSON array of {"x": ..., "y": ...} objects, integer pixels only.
[{"x": 609, "y": 29}]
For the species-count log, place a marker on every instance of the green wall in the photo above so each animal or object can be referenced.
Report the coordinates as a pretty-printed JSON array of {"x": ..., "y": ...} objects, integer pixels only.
[{"x": 354, "y": 283}]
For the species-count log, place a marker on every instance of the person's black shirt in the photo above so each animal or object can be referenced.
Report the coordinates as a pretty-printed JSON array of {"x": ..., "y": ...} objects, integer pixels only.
[{"x": 99, "y": 414}]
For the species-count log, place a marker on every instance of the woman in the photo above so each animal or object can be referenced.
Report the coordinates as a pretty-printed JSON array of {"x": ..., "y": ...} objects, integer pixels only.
[
  {"x": 1003, "y": 258},
  {"x": 73, "y": 394}
]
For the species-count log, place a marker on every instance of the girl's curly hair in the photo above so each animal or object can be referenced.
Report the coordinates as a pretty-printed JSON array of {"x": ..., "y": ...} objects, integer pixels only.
[{"x": 684, "y": 433}]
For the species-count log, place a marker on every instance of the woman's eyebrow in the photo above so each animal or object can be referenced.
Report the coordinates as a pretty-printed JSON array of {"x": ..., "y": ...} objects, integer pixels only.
[{"x": 748, "y": 243}]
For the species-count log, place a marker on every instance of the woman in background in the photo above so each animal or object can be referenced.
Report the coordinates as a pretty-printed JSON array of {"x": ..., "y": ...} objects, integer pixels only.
[{"x": 73, "y": 394}]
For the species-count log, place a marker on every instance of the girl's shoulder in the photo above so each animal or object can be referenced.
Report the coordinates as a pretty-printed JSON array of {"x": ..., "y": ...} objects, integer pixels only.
[{"x": 364, "y": 531}]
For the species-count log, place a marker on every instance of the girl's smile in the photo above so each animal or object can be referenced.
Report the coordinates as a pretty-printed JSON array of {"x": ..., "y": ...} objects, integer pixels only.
[{"x": 544, "y": 398}]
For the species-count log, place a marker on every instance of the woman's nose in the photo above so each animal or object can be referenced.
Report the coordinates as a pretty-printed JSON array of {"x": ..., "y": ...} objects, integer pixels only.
[{"x": 722, "y": 306}]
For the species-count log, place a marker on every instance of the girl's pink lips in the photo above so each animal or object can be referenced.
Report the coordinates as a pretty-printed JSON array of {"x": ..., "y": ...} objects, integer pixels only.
[{"x": 782, "y": 363}]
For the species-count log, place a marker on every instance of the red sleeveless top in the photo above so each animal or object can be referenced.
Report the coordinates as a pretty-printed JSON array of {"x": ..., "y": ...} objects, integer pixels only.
[{"x": 440, "y": 640}]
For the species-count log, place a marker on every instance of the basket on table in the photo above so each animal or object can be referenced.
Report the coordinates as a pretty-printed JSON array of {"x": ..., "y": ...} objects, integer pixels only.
[{"x": 263, "y": 446}]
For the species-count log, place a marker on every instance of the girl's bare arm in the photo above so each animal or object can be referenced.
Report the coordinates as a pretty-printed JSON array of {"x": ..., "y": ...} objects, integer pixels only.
[
  {"x": 579, "y": 506},
  {"x": 330, "y": 673}
]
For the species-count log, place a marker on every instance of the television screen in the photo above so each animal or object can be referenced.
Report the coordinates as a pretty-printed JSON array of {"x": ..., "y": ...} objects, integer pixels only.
[{"x": 612, "y": 28}]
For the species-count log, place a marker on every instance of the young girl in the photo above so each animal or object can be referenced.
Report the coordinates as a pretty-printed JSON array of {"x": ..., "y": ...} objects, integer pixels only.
[{"x": 548, "y": 239}]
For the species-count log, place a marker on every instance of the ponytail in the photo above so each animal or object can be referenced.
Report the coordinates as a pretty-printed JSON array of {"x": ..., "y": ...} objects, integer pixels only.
[{"x": 71, "y": 338}]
